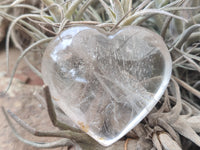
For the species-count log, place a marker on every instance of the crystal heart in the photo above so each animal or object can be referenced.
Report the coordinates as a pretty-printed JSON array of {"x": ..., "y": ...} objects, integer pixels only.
[{"x": 106, "y": 83}]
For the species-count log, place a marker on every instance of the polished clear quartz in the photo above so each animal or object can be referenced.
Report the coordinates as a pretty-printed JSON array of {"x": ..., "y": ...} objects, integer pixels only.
[{"x": 106, "y": 83}]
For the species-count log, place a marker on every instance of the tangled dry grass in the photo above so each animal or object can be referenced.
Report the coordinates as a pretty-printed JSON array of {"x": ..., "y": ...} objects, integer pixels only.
[{"x": 175, "y": 122}]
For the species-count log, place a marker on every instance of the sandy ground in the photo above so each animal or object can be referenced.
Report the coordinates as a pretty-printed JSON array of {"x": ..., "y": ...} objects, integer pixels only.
[{"x": 22, "y": 102}]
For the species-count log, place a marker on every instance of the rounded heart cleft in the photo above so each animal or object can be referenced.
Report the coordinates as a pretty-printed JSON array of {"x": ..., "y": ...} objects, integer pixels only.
[{"x": 106, "y": 83}]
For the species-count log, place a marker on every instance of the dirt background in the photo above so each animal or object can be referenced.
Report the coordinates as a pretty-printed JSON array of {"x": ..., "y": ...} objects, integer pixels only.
[{"x": 21, "y": 100}]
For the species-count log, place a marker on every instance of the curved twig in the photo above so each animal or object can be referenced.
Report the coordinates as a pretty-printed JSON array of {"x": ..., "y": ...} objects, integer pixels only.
[
  {"x": 59, "y": 143},
  {"x": 20, "y": 58}
]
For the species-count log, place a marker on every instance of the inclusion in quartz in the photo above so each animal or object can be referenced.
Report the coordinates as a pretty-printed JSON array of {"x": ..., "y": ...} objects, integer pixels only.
[{"x": 106, "y": 83}]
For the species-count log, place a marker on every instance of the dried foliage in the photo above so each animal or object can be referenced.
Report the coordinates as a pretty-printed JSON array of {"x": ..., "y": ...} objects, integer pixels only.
[{"x": 177, "y": 116}]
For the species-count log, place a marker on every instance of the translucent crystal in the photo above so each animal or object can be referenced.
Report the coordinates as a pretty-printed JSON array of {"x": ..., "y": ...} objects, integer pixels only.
[{"x": 106, "y": 83}]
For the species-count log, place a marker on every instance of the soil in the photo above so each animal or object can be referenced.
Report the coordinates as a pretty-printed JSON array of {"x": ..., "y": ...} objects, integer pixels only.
[{"x": 21, "y": 101}]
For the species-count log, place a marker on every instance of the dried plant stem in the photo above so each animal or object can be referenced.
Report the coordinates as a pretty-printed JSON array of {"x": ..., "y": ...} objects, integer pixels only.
[
  {"x": 165, "y": 26},
  {"x": 192, "y": 62},
  {"x": 181, "y": 8},
  {"x": 79, "y": 137},
  {"x": 172, "y": 116},
  {"x": 55, "y": 9},
  {"x": 108, "y": 10},
  {"x": 117, "y": 9},
  {"x": 127, "y": 5},
  {"x": 59, "y": 143},
  {"x": 21, "y": 56},
  {"x": 193, "y": 20},
  {"x": 185, "y": 35},
  {"x": 117, "y": 24},
  {"x": 18, "y": 46},
  {"x": 170, "y": 130},
  {"x": 20, "y": 6},
  {"x": 188, "y": 87},
  {"x": 184, "y": 53},
  {"x": 168, "y": 143},
  {"x": 156, "y": 142},
  {"x": 83, "y": 8},
  {"x": 130, "y": 19},
  {"x": 72, "y": 8},
  {"x": 10, "y": 29},
  {"x": 143, "y": 4}
]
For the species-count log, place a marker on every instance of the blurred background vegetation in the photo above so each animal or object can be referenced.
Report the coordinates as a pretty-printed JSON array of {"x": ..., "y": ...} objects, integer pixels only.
[{"x": 29, "y": 25}]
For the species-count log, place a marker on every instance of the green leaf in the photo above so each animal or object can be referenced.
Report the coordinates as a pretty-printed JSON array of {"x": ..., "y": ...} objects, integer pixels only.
[
  {"x": 54, "y": 11},
  {"x": 143, "y": 12},
  {"x": 109, "y": 11},
  {"x": 127, "y": 5},
  {"x": 72, "y": 8},
  {"x": 117, "y": 8}
]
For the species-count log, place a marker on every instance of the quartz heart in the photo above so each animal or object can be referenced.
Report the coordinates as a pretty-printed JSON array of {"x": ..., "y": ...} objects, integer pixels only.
[{"x": 106, "y": 83}]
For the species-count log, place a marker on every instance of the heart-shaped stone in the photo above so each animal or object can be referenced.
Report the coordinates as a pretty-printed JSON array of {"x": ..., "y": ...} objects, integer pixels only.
[{"x": 106, "y": 83}]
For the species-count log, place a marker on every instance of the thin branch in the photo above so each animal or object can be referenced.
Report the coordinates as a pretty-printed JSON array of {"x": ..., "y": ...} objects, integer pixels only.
[
  {"x": 18, "y": 46},
  {"x": 21, "y": 57},
  {"x": 59, "y": 143},
  {"x": 130, "y": 19},
  {"x": 19, "y": 6},
  {"x": 188, "y": 87},
  {"x": 61, "y": 133},
  {"x": 72, "y": 8},
  {"x": 117, "y": 24},
  {"x": 185, "y": 35},
  {"x": 165, "y": 26},
  {"x": 170, "y": 130},
  {"x": 83, "y": 8},
  {"x": 10, "y": 30},
  {"x": 192, "y": 62}
]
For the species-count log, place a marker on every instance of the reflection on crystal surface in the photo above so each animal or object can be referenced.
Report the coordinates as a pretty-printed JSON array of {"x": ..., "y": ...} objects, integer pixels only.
[{"x": 106, "y": 84}]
